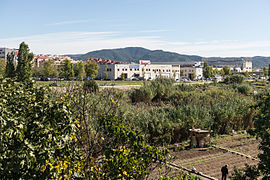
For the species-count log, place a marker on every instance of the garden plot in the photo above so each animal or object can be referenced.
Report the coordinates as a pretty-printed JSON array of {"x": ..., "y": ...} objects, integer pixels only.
[
  {"x": 210, "y": 160},
  {"x": 240, "y": 143}
]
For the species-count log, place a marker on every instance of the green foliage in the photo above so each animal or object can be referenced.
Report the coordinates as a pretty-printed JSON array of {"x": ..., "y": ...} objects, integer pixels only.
[
  {"x": 161, "y": 88},
  {"x": 79, "y": 70},
  {"x": 67, "y": 70},
  {"x": 91, "y": 68},
  {"x": 261, "y": 130},
  {"x": 35, "y": 133},
  {"x": 123, "y": 77},
  {"x": 10, "y": 68},
  {"x": 90, "y": 86},
  {"x": 2, "y": 67},
  {"x": 24, "y": 67},
  {"x": 183, "y": 87},
  {"x": 206, "y": 70},
  {"x": 227, "y": 70},
  {"x": 244, "y": 89},
  {"x": 49, "y": 69},
  {"x": 219, "y": 110},
  {"x": 235, "y": 79},
  {"x": 246, "y": 74},
  {"x": 142, "y": 94},
  {"x": 269, "y": 71},
  {"x": 249, "y": 172},
  {"x": 127, "y": 154}
]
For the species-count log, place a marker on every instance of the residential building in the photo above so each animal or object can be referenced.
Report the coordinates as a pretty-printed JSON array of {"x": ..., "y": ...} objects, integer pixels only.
[{"x": 5, "y": 51}]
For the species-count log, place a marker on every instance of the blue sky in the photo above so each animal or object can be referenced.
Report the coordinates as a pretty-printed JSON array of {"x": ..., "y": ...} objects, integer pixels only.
[{"x": 199, "y": 27}]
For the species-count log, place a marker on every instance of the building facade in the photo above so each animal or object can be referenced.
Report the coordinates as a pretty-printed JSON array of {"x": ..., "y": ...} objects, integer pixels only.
[
  {"x": 5, "y": 51},
  {"x": 147, "y": 71}
]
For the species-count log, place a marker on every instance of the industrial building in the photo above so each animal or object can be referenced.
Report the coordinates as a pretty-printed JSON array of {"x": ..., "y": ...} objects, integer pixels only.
[{"x": 148, "y": 71}]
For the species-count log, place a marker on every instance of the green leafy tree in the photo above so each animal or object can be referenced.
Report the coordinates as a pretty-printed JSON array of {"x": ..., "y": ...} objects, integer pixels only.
[
  {"x": 37, "y": 71},
  {"x": 2, "y": 67},
  {"x": 181, "y": 73},
  {"x": 227, "y": 70},
  {"x": 105, "y": 71},
  {"x": 123, "y": 76},
  {"x": 49, "y": 69},
  {"x": 246, "y": 74},
  {"x": 24, "y": 67},
  {"x": 10, "y": 68},
  {"x": 193, "y": 76},
  {"x": 79, "y": 71},
  {"x": 269, "y": 72},
  {"x": 206, "y": 70},
  {"x": 37, "y": 133},
  {"x": 91, "y": 68},
  {"x": 265, "y": 71},
  {"x": 221, "y": 72},
  {"x": 261, "y": 130},
  {"x": 67, "y": 70}
]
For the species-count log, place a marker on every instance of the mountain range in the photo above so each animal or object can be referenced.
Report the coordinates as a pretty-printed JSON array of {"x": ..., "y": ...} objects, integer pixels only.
[{"x": 133, "y": 54}]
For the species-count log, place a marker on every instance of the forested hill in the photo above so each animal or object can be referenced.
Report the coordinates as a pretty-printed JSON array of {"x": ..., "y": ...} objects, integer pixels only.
[{"x": 133, "y": 54}]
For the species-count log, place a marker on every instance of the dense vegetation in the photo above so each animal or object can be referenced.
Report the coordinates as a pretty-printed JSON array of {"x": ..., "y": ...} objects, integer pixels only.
[{"x": 83, "y": 132}]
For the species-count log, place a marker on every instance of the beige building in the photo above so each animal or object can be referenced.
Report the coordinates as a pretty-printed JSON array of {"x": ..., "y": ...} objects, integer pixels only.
[
  {"x": 40, "y": 59},
  {"x": 147, "y": 71}
]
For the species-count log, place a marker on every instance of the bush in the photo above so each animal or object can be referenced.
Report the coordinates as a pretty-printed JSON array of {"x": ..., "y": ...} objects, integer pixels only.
[
  {"x": 90, "y": 86},
  {"x": 183, "y": 87},
  {"x": 36, "y": 132},
  {"x": 235, "y": 79},
  {"x": 161, "y": 88},
  {"x": 142, "y": 94},
  {"x": 244, "y": 89}
]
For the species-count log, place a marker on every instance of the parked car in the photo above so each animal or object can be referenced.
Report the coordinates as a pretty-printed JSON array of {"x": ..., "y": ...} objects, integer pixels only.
[
  {"x": 134, "y": 79},
  {"x": 53, "y": 84}
]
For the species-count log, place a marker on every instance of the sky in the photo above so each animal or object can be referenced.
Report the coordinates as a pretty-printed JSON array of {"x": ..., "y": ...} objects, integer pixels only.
[{"x": 207, "y": 28}]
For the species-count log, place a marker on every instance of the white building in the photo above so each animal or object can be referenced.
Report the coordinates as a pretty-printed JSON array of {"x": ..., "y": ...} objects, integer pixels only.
[
  {"x": 5, "y": 51},
  {"x": 147, "y": 71}
]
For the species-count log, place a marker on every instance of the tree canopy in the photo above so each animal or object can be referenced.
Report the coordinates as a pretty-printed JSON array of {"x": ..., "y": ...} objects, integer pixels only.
[
  {"x": 10, "y": 67},
  {"x": 24, "y": 67},
  {"x": 2, "y": 67},
  {"x": 67, "y": 70},
  {"x": 207, "y": 73},
  {"x": 91, "y": 68}
]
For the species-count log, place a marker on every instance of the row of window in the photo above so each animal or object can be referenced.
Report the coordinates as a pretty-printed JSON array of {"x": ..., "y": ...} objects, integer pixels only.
[
  {"x": 189, "y": 70},
  {"x": 154, "y": 70},
  {"x": 129, "y": 69},
  {"x": 159, "y": 70}
]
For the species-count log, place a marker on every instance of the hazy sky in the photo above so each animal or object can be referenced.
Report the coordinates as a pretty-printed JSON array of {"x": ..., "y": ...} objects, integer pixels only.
[{"x": 199, "y": 27}]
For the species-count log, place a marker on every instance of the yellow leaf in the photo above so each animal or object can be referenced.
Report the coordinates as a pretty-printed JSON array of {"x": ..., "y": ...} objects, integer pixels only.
[{"x": 43, "y": 168}]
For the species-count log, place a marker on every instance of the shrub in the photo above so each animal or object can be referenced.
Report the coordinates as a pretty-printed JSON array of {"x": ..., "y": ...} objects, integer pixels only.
[
  {"x": 37, "y": 133},
  {"x": 90, "y": 86},
  {"x": 235, "y": 79},
  {"x": 142, "y": 94},
  {"x": 183, "y": 87},
  {"x": 244, "y": 89},
  {"x": 161, "y": 88}
]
